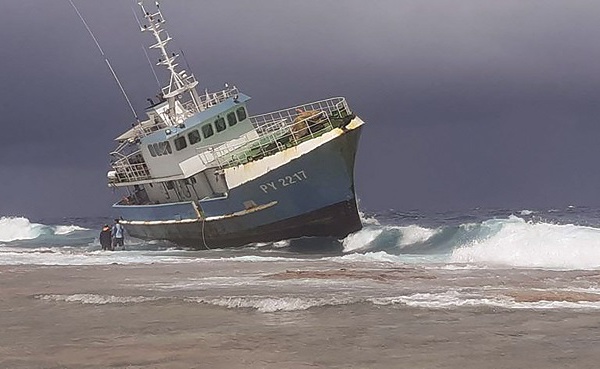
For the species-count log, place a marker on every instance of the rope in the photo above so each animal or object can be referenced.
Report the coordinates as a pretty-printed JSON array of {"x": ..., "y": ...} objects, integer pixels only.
[{"x": 204, "y": 239}]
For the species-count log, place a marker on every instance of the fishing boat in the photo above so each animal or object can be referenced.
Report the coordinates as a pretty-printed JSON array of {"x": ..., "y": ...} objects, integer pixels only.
[{"x": 200, "y": 171}]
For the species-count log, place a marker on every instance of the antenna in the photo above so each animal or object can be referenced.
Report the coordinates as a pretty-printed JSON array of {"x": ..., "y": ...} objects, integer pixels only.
[
  {"x": 112, "y": 71},
  {"x": 180, "y": 81},
  {"x": 145, "y": 52}
]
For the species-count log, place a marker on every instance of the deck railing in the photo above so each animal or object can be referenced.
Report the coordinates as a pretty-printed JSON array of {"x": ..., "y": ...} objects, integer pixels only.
[
  {"x": 187, "y": 109},
  {"x": 129, "y": 168},
  {"x": 211, "y": 99},
  {"x": 207, "y": 100},
  {"x": 277, "y": 131}
]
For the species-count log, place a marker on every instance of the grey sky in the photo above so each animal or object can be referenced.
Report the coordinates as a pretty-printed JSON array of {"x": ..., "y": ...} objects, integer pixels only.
[{"x": 468, "y": 103}]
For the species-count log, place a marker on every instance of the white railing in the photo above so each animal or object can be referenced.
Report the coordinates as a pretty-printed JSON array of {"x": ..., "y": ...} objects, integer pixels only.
[
  {"x": 277, "y": 131},
  {"x": 185, "y": 110},
  {"x": 273, "y": 132},
  {"x": 205, "y": 101},
  {"x": 330, "y": 106},
  {"x": 211, "y": 99},
  {"x": 130, "y": 168}
]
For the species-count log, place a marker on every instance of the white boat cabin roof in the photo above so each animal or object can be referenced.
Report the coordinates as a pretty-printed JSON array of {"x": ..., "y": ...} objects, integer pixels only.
[{"x": 158, "y": 110}]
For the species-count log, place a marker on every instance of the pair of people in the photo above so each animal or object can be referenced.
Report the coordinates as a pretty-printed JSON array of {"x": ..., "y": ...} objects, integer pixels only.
[{"x": 112, "y": 238}]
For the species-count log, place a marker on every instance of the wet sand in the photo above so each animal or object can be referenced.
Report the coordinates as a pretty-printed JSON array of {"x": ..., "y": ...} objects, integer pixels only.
[{"x": 170, "y": 332}]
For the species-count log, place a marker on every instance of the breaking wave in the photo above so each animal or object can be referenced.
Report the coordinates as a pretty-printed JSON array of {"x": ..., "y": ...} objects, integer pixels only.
[
  {"x": 443, "y": 300},
  {"x": 524, "y": 241},
  {"x": 62, "y": 230},
  {"x": 85, "y": 298},
  {"x": 20, "y": 228},
  {"x": 509, "y": 242},
  {"x": 268, "y": 304},
  {"x": 516, "y": 242},
  {"x": 456, "y": 299}
]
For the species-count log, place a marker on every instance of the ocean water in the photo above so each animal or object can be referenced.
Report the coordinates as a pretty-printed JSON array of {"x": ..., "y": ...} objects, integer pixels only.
[{"x": 498, "y": 258}]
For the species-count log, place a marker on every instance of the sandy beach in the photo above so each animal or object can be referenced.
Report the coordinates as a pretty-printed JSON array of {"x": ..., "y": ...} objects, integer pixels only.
[{"x": 49, "y": 319}]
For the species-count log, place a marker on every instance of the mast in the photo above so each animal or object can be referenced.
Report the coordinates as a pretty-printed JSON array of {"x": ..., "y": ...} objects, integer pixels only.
[{"x": 180, "y": 83}]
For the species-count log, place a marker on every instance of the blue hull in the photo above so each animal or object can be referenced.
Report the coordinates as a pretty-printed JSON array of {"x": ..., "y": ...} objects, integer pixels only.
[{"x": 312, "y": 195}]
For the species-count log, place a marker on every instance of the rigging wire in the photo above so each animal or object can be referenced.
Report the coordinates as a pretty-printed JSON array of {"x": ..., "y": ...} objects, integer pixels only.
[
  {"x": 152, "y": 68},
  {"x": 112, "y": 71},
  {"x": 143, "y": 48},
  {"x": 136, "y": 17},
  {"x": 185, "y": 60}
]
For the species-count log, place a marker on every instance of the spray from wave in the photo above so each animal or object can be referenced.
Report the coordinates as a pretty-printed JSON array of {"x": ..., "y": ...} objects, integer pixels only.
[
  {"x": 515, "y": 242},
  {"x": 62, "y": 230},
  {"x": 510, "y": 242},
  {"x": 20, "y": 228}
]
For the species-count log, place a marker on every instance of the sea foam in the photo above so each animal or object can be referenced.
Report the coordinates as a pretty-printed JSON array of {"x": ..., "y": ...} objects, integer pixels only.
[
  {"x": 19, "y": 228},
  {"x": 361, "y": 239},
  {"x": 366, "y": 219},
  {"x": 93, "y": 299},
  {"x": 414, "y": 234},
  {"x": 373, "y": 237},
  {"x": 64, "y": 229},
  {"x": 267, "y": 304},
  {"x": 454, "y": 299},
  {"x": 515, "y": 242}
]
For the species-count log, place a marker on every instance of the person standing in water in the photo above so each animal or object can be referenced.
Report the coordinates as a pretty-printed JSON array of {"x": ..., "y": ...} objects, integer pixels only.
[
  {"x": 106, "y": 238},
  {"x": 118, "y": 234}
]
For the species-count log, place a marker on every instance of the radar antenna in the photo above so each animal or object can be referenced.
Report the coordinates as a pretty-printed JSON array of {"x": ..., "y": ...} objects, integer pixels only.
[{"x": 180, "y": 82}]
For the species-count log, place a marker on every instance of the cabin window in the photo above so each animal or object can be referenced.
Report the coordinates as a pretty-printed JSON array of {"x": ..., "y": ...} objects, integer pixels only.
[
  {"x": 231, "y": 119},
  {"x": 161, "y": 148},
  {"x": 180, "y": 143},
  {"x": 207, "y": 130},
  {"x": 220, "y": 124},
  {"x": 151, "y": 149},
  {"x": 157, "y": 149},
  {"x": 194, "y": 137},
  {"x": 241, "y": 113},
  {"x": 164, "y": 148}
]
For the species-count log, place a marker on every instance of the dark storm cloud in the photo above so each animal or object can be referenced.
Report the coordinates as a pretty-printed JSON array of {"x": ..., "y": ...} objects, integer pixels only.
[{"x": 468, "y": 103}]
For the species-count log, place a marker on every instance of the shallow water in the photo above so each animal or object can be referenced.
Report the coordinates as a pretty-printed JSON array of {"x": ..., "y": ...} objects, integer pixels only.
[
  {"x": 454, "y": 289},
  {"x": 296, "y": 314},
  {"x": 496, "y": 257}
]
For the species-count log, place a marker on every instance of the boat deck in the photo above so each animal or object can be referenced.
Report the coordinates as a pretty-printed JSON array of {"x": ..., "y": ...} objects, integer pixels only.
[{"x": 280, "y": 130}]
